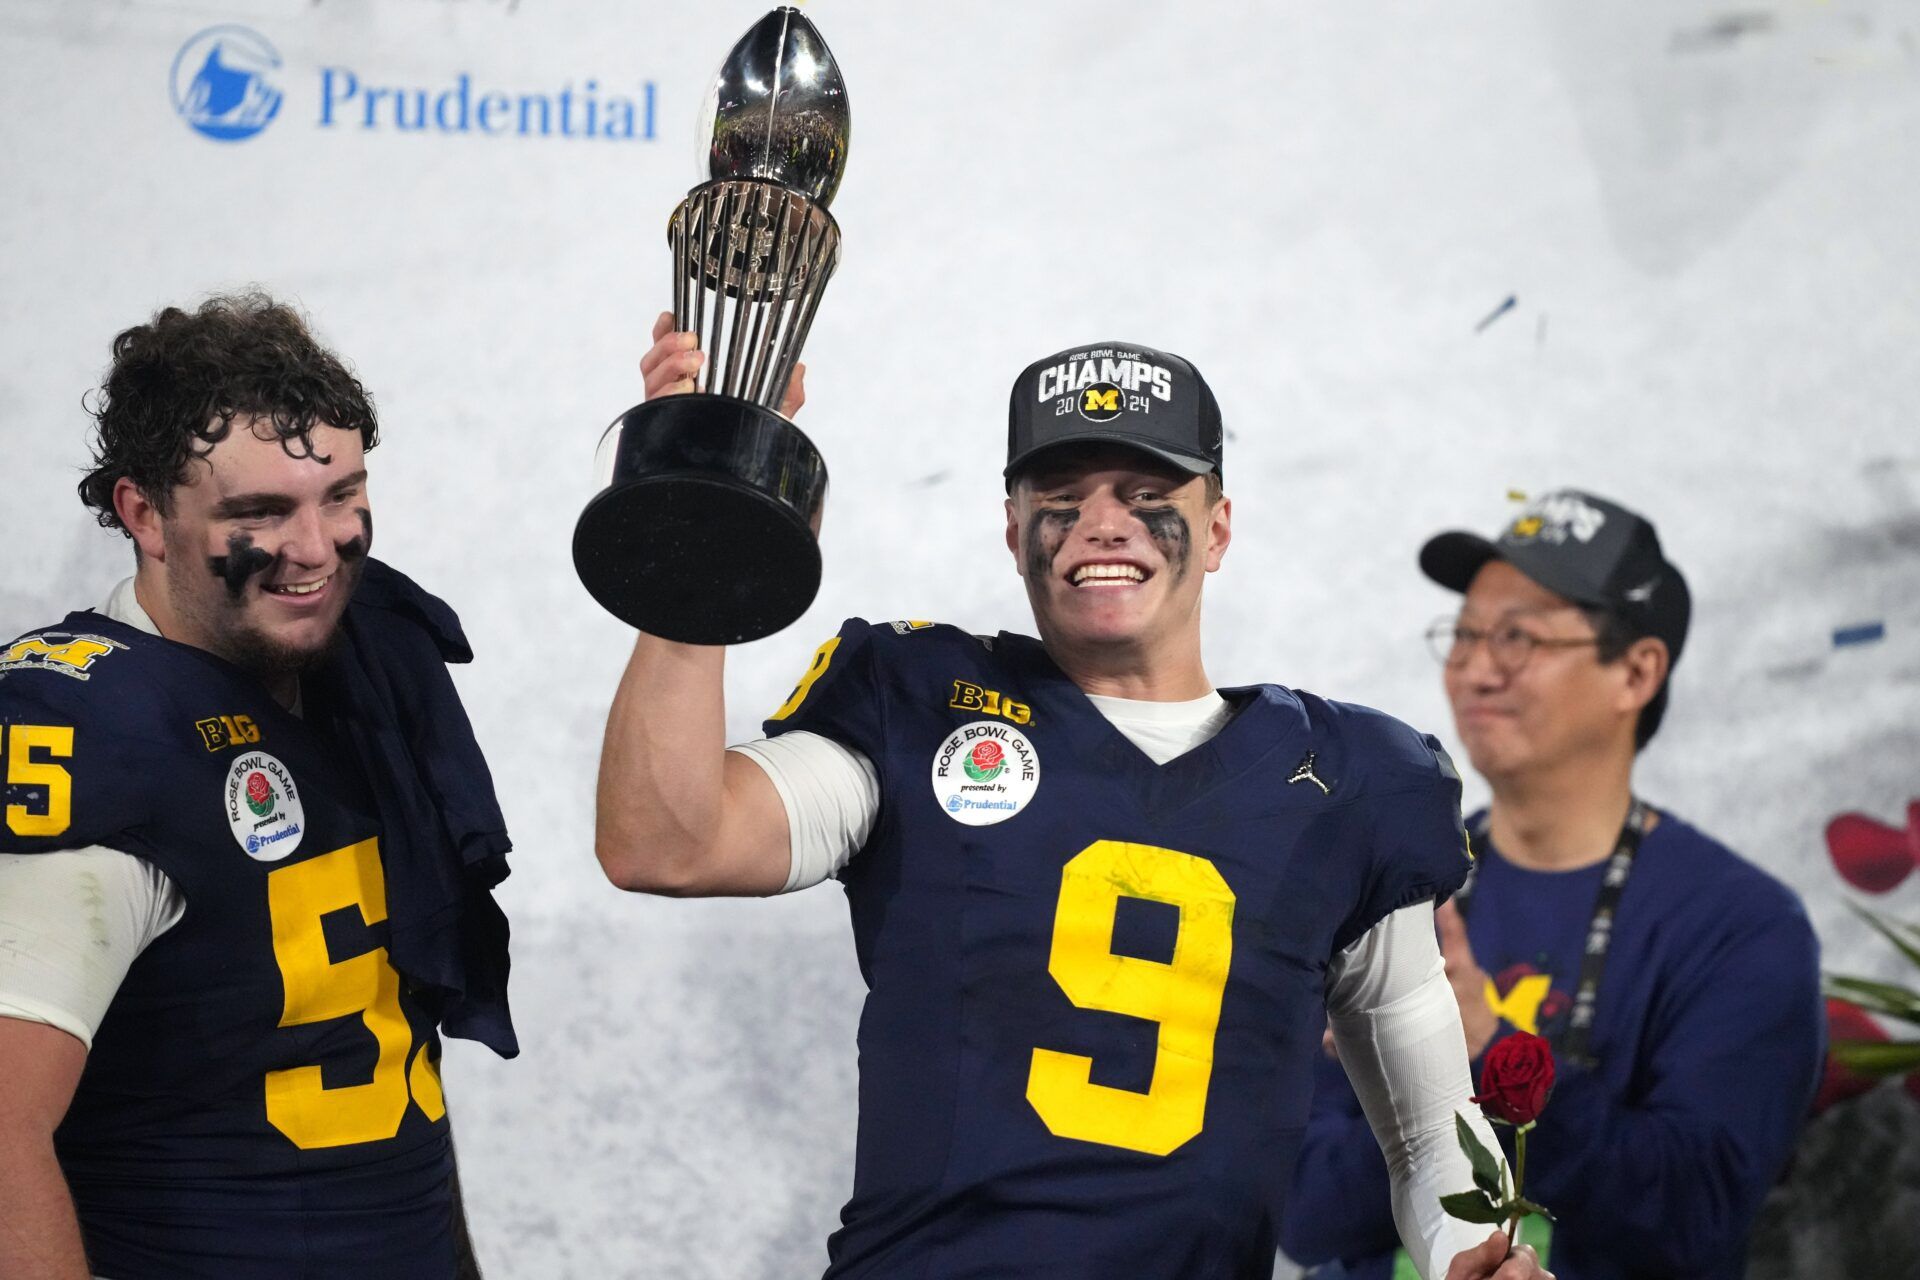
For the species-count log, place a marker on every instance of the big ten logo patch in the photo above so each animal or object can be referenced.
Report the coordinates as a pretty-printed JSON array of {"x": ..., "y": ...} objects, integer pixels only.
[
  {"x": 1102, "y": 383},
  {"x": 990, "y": 702},
  {"x": 59, "y": 652},
  {"x": 221, "y": 732}
]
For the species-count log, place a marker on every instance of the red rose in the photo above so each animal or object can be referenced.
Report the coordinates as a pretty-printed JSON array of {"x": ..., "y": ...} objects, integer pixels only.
[
  {"x": 1872, "y": 856},
  {"x": 1516, "y": 1078}
]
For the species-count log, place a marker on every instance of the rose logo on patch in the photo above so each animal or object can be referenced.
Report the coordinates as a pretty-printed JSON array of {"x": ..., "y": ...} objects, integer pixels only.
[
  {"x": 985, "y": 761},
  {"x": 259, "y": 795}
]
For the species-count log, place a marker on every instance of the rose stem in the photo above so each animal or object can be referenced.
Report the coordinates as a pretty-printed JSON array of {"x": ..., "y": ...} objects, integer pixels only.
[{"x": 1519, "y": 1181}]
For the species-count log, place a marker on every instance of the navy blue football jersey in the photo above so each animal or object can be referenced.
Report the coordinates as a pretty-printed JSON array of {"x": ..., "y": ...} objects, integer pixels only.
[
  {"x": 1096, "y": 984},
  {"x": 262, "y": 1098}
]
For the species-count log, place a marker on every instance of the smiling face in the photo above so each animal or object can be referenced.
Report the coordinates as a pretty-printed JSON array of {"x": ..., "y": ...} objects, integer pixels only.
[
  {"x": 1114, "y": 545},
  {"x": 259, "y": 550},
  {"x": 1559, "y": 707}
]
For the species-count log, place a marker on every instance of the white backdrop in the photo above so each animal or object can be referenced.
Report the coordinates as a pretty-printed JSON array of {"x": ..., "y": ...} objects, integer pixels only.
[{"x": 1706, "y": 222}]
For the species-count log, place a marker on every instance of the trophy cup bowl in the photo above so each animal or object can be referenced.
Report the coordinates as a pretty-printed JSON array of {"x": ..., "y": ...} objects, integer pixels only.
[{"x": 706, "y": 523}]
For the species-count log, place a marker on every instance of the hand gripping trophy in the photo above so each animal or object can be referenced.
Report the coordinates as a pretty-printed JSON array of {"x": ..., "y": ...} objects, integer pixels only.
[{"x": 705, "y": 528}]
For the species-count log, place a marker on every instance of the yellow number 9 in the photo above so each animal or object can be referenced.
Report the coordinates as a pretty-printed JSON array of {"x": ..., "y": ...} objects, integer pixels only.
[{"x": 1182, "y": 996}]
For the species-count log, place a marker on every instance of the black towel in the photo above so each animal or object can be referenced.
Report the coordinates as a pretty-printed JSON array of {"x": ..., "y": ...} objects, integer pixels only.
[{"x": 385, "y": 694}]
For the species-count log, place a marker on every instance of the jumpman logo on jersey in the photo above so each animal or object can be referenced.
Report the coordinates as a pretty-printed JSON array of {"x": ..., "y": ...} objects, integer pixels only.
[{"x": 1304, "y": 773}]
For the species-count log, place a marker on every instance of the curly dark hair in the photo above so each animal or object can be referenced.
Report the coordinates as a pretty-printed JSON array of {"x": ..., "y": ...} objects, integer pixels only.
[{"x": 178, "y": 382}]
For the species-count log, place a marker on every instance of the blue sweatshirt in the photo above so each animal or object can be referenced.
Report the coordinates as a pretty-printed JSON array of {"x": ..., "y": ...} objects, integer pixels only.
[{"x": 1708, "y": 1033}]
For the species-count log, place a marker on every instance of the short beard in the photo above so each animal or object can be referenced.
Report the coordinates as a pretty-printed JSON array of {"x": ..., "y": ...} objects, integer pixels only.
[
  {"x": 251, "y": 650},
  {"x": 265, "y": 657}
]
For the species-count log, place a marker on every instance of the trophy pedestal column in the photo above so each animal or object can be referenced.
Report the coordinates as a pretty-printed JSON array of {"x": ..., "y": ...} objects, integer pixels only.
[{"x": 705, "y": 530}]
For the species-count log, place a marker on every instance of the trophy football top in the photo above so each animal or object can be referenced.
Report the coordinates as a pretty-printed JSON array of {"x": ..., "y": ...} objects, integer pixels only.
[{"x": 778, "y": 109}]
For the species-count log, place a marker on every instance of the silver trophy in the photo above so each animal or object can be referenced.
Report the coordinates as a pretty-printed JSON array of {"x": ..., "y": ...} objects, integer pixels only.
[{"x": 705, "y": 529}]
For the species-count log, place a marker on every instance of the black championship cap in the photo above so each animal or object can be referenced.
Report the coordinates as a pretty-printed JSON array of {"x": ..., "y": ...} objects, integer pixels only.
[
  {"x": 1115, "y": 393},
  {"x": 1591, "y": 551}
]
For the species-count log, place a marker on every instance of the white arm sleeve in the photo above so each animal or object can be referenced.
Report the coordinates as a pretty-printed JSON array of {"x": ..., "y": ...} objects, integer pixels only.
[
  {"x": 71, "y": 924},
  {"x": 831, "y": 794},
  {"x": 1397, "y": 1027}
]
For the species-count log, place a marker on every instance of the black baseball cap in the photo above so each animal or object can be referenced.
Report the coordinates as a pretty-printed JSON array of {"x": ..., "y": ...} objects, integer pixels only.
[
  {"x": 1592, "y": 551},
  {"x": 1115, "y": 393}
]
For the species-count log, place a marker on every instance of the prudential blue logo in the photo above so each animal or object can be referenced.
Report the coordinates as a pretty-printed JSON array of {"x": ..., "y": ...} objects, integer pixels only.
[{"x": 220, "y": 84}]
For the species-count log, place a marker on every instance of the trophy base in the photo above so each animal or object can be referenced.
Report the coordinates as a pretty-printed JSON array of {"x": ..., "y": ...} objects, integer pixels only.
[{"x": 705, "y": 531}]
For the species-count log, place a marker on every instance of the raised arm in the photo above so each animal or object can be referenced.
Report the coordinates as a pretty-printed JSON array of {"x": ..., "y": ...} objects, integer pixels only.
[{"x": 677, "y": 813}]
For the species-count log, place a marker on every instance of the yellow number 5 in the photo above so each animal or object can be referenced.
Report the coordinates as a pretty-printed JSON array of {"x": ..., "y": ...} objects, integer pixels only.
[
  {"x": 1182, "y": 996},
  {"x": 24, "y": 771},
  {"x": 319, "y": 990}
]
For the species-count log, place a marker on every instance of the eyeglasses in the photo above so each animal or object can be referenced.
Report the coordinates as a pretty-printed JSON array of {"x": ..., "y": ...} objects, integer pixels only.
[{"x": 1510, "y": 644}]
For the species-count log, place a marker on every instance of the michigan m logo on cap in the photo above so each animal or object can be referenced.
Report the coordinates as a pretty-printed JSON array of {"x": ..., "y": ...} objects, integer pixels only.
[{"x": 1100, "y": 402}]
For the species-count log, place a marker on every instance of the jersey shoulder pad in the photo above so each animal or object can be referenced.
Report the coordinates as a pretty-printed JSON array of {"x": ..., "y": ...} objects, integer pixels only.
[
  {"x": 835, "y": 690},
  {"x": 843, "y": 691},
  {"x": 84, "y": 665},
  {"x": 1417, "y": 846},
  {"x": 78, "y": 706},
  {"x": 912, "y": 639},
  {"x": 1376, "y": 751},
  {"x": 908, "y": 660}
]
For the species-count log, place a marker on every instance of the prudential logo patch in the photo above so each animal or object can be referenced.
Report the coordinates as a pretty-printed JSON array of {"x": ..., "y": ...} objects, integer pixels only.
[
  {"x": 222, "y": 83},
  {"x": 228, "y": 83}
]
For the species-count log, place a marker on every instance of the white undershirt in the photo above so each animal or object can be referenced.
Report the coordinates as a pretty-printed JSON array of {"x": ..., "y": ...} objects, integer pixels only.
[
  {"x": 1393, "y": 1014},
  {"x": 73, "y": 922}
]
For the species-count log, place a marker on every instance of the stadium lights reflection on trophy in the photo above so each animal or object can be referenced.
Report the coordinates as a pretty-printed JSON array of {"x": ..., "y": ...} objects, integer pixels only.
[{"x": 706, "y": 528}]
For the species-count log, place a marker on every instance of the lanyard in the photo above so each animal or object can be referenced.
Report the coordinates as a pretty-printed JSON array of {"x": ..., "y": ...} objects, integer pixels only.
[{"x": 1606, "y": 904}]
